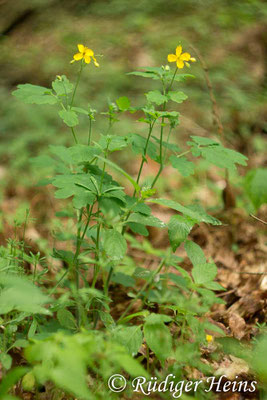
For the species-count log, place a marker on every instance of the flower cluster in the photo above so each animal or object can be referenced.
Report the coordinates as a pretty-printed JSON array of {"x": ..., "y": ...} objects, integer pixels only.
[
  {"x": 85, "y": 54},
  {"x": 180, "y": 58}
]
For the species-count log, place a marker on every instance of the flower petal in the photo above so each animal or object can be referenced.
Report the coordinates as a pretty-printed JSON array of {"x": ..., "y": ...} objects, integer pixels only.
[
  {"x": 78, "y": 56},
  {"x": 87, "y": 59},
  {"x": 172, "y": 58},
  {"x": 81, "y": 48},
  {"x": 185, "y": 57},
  {"x": 180, "y": 64},
  {"x": 95, "y": 62},
  {"x": 178, "y": 50},
  {"x": 89, "y": 52}
]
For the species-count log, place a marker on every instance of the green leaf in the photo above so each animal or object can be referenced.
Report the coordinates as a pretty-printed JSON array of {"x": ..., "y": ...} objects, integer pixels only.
[
  {"x": 115, "y": 166},
  {"x": 78, "y": 185},
  {"x": 179, "y": 228},
  {"x": 185, "y": 167},
  {"x": 223, "y": 157},
  {"x": 183, "y": 77},
  {"x": 114, "y": 245},
  {"x": 28, "y": 381},
  {"x": 255, "y": 183},
  {"x": 10, "y": 379},
  {"x": 146, "y": 220},
  {"x": 259, "y": 358},
  {"x": 33, "y": 94},
  {"x": 138, "y": 228},
  {"x": 170, "y": 146},
  {"x": 203, "y": 141},
  {"x": 107, "y": 319},
  {"x": 194, "y": 215},
  {"x": 66, "y": 319},
  {"x": 178, "y": 280},
  {"x": 123, "y": 103},
  {"x": 62, "y": 86},
  {"x": 19, "y": 293},
  {"x": 130, "y": 337},
  {"x": 123, "y": 279},
  {"x": 158, "y": 339},
  {"x": 218, "y": 155},
  {"x": 195, "y": 253},
  {"x": 80, "y": 110},
  {"x": 81, "y": 153},
  {"x": 145, "y": 74},
  {"x": 214, "y": 286},
  {"x": 214, "y": 328},
  {"x": 20, "y": 343},
  {"x": 62, "y": 359},
  {"x": 197, "y": 208},
  {"x": 139, "y": 144},
  {"x": 69, "y": 117},
  {"x": 157, "y": 318},
  {"x": 203, "y": 273},
  {"x": 61, "y": 152},
  {"x": 142, "y": 208},
  {"x": 113, "y": 143},
  {"x": 168, "y": 114},
  {"x": 178, "y": 97},
  {"x": 32, "y": 329},
  {"x": 155, "y": 96},
  {"x": 6, "y": 360},
  {"x": 82, "y": 198},
  {"x": 129, "y": 364}
]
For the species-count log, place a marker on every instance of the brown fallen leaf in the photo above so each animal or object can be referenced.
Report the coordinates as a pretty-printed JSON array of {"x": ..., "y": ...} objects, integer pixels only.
[
  {"x": 232, "y": 368},
  {"x": 237, "y": 325}
]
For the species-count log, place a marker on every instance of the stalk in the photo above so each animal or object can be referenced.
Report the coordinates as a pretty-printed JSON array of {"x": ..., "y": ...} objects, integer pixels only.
[
  {"x": 96, "y": 267},
  {"x": 162, "y": 131},
  {"x": 90, "y": 131},
  {"x": 147, "y": 284},
  {"x": 76, "y": 85}
]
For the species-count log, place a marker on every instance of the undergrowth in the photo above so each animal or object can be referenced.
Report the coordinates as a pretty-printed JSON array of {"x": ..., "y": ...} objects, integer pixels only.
[{"x": 72, "y": 343}]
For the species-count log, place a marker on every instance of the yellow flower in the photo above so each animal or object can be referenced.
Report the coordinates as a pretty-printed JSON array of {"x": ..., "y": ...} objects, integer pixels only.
[
  {"x": 180, "y": 58},
  {"x": 85, "y": 54},
  {"x": 209, "y": 338}
]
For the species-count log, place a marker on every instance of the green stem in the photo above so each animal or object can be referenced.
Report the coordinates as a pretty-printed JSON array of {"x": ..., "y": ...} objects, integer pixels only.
[
  {"x": 151, "y": 125},
  {"x": 74, "y": 135},
  {"x": 165, "y": 151},
  {"x": 90, "y": 131},
  {"x": 108, "y": 280},
  {"x": 76, "y": 85},
  {"x": 162, "y": 131},
  {"x": 60, "y": 280},
  {"x": 72, "y": 99},
  {"x": 96, "y": 267},
  {"x": 76, "y": 265},
  {"x": 149, "y": 284},
  {"x": 175, "y": 72},
  {"x": 88, "y": 221},
  {"x": 183, "y": 154}
]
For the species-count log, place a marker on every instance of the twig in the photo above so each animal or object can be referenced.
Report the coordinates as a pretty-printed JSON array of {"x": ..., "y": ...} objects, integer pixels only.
[
  {"x": 243, "y": 272},
  {"x": 226, "y": 293},
  {"x": 258, "y": 219}
]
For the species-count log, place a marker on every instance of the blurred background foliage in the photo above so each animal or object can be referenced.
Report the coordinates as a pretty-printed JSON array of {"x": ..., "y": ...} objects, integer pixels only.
[{"x": 39, "y": 37}]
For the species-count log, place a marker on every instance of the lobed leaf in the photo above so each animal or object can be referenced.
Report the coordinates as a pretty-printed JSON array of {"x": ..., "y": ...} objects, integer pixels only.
[{"x": 33, "y": 94}]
